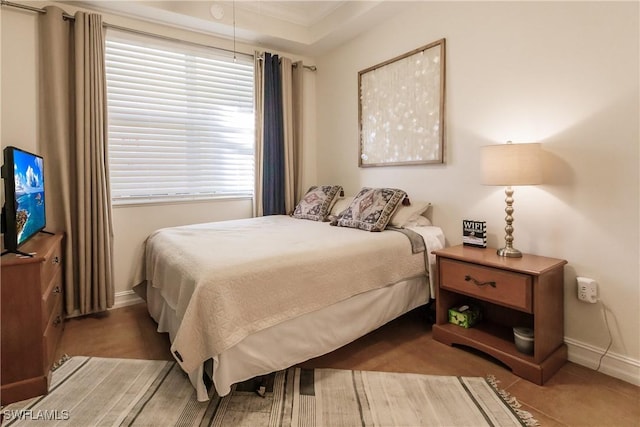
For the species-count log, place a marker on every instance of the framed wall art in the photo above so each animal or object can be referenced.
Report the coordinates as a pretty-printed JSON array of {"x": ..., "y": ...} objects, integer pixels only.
[{"x": 401, "y": 109}]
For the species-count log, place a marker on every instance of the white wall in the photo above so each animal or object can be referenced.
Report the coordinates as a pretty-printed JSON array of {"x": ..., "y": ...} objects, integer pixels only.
[
  {"x": 132, "y": 224},
  {"x": 18, "y": 79},
  {"x": 563, "y": 74}
]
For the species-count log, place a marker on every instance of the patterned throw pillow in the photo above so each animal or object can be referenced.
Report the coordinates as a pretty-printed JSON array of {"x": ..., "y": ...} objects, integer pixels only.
[
  {"x": 317, "y": 203},
  {"x": 371, "y": 209}
]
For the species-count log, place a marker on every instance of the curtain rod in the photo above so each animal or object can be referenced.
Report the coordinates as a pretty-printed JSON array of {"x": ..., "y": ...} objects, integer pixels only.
[
  {"x": 68, "y": 17},
  {"x": 33, "y": 9},
  {"x": 116, "y": 27},
  {"x": 308, "y": 67}
]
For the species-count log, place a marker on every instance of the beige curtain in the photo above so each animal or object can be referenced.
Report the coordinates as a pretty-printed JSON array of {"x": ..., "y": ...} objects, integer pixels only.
[
  {"x": 292, "y": 112},
  {"x": 74, "y": 145},
  {"x": 259, "y": 133},
  {"x": 297, "y": 106},
  {"x": 292, "y": 119}
]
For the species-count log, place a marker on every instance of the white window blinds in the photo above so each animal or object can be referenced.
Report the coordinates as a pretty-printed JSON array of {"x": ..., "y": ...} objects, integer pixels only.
[{"x": 181, "y": 120}]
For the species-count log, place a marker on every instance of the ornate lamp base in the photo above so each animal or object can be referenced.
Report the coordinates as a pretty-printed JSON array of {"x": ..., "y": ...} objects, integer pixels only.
[{"x": 509, "y": 252}]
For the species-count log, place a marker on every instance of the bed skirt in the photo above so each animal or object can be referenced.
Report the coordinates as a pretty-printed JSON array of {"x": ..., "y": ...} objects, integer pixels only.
[{"x": 291, "y": 341}]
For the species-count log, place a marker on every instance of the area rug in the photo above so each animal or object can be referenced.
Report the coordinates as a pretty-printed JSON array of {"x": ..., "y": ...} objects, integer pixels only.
[{"x": 92, "y": 391}]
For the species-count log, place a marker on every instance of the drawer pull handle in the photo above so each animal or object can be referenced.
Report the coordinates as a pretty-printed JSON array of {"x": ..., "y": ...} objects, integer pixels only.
[
  {"x": 468, "y": 278},
  {"x": 57, "y": 290},
  {"x": 55, "y": 260},
  {"x": 57, "y": 321}
]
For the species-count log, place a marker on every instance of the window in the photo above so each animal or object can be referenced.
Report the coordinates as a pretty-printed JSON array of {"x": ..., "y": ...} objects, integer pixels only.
[{"x": 181, "y": 120}]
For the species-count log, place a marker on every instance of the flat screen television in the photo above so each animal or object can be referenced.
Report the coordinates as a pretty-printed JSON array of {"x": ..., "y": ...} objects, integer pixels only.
[{"x": 24, "y": 197}]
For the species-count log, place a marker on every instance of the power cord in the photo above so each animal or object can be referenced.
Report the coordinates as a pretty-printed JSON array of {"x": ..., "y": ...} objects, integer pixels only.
[{"x": 606, "y": 322}]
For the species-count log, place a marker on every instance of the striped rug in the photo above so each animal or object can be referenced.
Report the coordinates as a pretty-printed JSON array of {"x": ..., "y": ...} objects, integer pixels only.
[{"x": 92, "y": 391}]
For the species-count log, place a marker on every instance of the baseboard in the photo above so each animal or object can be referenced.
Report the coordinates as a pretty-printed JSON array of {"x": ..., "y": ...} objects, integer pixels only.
[
  {"x": 125, "y": 298},
  {"x": 614, "y": 365}
]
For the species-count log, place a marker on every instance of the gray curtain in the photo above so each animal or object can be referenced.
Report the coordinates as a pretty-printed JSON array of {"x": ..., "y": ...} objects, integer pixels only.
[
  {"x": 73, "y": 140},
  {"x": 282, "y": 148}
]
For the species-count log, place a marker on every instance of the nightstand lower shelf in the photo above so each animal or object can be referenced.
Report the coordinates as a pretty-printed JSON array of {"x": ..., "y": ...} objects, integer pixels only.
[{"x": 495, "y": 341}]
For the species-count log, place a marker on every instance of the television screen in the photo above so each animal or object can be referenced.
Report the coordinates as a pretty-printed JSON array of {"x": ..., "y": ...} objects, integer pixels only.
[{"x": 24, "y": 196}]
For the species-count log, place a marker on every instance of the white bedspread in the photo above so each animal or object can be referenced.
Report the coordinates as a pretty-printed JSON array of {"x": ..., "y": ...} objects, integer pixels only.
[{"x": 227, "y": 280}]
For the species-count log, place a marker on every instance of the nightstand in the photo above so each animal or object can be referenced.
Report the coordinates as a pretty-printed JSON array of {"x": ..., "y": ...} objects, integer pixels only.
[{"x": 510, "y": 292}]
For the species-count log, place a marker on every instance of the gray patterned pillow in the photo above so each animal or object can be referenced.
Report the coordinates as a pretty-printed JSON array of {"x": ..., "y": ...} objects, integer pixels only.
[
  {"x": 371, "y": 209},
  {"x": 317, "y": 203}
]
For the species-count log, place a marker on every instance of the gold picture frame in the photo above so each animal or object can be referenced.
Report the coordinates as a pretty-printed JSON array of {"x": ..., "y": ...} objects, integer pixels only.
[{"x": 401, "y": 109}]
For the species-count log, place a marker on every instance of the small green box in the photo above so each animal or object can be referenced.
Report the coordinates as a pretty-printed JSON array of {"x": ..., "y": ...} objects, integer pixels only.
[{"x": 465, "y": 315}]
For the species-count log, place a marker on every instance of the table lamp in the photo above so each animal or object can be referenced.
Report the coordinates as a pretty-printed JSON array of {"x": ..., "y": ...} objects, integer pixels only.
[{"x": 510, "y": 165}]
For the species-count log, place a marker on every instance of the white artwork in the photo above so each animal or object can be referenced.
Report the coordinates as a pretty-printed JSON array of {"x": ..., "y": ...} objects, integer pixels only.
[{"x": 401, "y": 109}]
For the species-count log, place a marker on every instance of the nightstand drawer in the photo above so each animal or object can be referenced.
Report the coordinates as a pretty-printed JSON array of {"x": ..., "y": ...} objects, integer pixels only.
[{"x": 489, "y": 284}]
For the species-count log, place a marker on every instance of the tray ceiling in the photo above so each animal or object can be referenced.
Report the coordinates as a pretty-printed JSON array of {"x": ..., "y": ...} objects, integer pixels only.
[{"x": 301, "y": 27}]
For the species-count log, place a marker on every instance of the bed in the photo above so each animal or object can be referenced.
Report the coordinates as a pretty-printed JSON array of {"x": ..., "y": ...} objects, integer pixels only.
[{"x": 247, "y": 297}]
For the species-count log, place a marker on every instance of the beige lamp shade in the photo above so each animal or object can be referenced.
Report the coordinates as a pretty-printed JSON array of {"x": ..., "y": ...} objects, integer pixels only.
[{"x": 511, "y": 164}]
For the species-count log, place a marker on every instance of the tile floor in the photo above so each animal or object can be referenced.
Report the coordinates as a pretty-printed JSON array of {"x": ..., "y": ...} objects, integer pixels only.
[{"x": 575, "y": 396}]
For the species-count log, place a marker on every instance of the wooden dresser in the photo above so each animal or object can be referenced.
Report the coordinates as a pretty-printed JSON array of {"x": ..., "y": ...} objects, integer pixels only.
[{"x": 32, "y": 317}]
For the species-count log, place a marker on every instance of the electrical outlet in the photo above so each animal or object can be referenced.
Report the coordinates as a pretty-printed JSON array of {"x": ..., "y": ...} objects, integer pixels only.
[{"x": 587, "y": 290}]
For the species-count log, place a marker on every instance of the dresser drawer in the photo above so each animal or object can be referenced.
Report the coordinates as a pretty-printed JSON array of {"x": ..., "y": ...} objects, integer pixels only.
[
  {"x": 51, "y": 297},
  {"x": 489, "y": 284},
  {"x": 52, "y": 334},
  {"x": 50, "y": 264}
]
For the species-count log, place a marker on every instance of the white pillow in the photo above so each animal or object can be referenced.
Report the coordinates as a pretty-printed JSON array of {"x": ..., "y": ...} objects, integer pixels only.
[
  {"x": 340, "y": 205},
  {"x": 421, "y": 221},
  {"x": 405, "y": 215}
]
